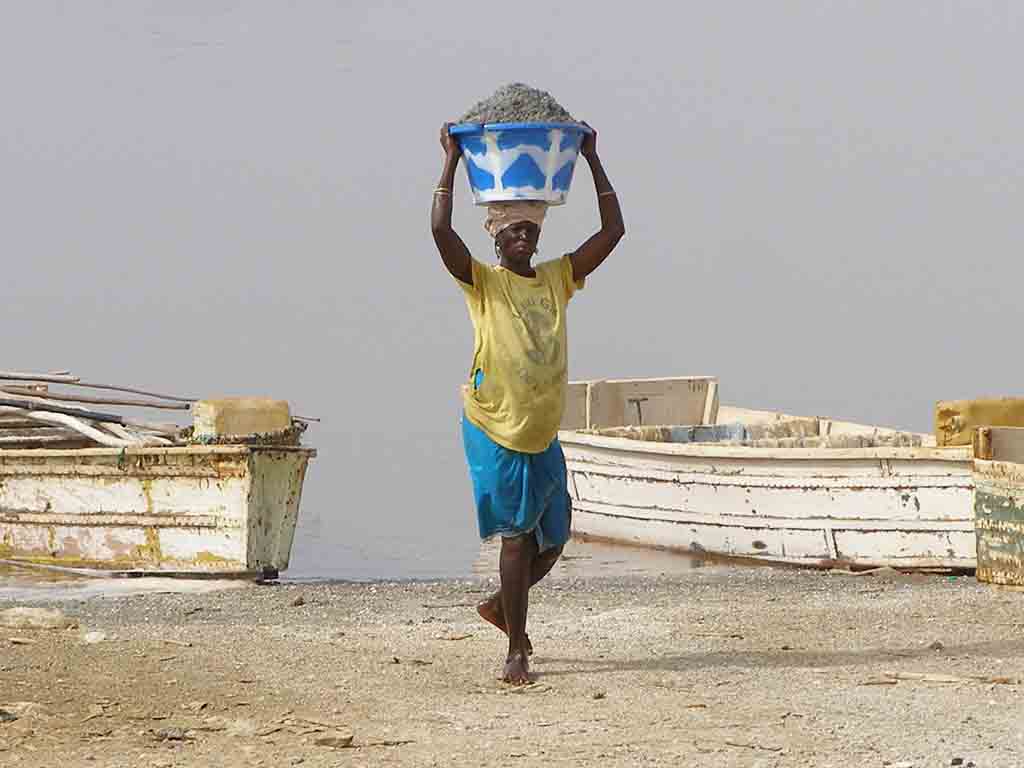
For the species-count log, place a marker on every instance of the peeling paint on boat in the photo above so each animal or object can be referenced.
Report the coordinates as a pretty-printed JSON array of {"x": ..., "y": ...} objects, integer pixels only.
[
  {"x": 866, "y": 507},
  {"x": 999, "y": 518},
  {"x": 762, "y": 485},
  {"x": 200, "y": 509}
]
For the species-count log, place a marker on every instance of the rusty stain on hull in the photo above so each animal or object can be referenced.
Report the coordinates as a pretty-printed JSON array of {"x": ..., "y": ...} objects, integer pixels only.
[
  {"x": 150, "y": 551},
  {"x": 208, "y": 558}
]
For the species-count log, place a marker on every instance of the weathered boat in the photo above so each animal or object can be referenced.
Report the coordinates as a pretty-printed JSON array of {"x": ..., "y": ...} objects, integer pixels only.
[
  {"x": 226, "y": 510},
  {"x": 659, "y": 463},
  {"x": 223, "y": 500},
  {"x": 999, "y": 505}
]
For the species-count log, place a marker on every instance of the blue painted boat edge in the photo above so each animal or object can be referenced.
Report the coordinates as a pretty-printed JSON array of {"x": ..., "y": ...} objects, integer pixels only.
[{"x": 465, "y": 129}]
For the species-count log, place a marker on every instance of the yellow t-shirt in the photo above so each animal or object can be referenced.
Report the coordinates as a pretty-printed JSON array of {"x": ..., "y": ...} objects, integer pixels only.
[{"x": 519, "y": 348}]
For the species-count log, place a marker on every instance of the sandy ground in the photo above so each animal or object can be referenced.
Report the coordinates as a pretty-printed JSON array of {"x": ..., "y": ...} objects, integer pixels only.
[{"x": 717, "y": 666}]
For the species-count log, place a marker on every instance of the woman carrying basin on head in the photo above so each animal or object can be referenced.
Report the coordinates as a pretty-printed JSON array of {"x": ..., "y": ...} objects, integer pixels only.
[{"x": 517, "y": 386}]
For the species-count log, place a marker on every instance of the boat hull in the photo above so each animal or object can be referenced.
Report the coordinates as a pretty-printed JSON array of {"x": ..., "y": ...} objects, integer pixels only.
[
  {"x": 907, "y": 508},
  {"x": 999, "y": 521},
  {"x": 199, "y": 510}
]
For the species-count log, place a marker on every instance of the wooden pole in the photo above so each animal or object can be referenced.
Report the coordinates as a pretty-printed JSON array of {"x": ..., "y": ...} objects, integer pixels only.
[
  {"x": 163, "y": 429},
  {"x": 74, "y": 381},
  {"x": 78, "y": 420},
  {"x": 41, "y": 377},
  {"x": 42, "y": 404},
  {"x": 74, "y": 422},
  {"x": 95, "y": 400},
  {"x": 116, "y": 388},
  {"x": 34, "y": 404}
]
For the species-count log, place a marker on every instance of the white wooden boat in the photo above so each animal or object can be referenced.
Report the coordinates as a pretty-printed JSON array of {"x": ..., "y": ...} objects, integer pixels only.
[
  {"x": 767, "y": 486},
  {"x": 197, "y": 509}
]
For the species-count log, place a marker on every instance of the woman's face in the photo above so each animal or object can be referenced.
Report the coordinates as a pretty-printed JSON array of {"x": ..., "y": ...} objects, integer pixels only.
[{"x": 518, "y": 242}]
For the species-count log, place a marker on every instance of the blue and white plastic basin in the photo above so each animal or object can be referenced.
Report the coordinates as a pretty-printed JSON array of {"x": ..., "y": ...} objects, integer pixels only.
[{"x": 520, "y": 161}]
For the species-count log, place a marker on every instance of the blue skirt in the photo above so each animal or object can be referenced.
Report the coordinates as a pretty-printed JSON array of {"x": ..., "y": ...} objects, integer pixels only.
[{"x": 518, "y": 493}]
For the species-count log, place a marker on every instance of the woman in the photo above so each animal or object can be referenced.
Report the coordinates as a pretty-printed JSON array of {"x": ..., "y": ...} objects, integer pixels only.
[{"x": 517, "y": 385}]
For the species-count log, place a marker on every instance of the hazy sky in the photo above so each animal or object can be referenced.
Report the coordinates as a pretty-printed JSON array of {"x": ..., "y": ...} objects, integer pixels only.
[{"x": 821, "y": 199}]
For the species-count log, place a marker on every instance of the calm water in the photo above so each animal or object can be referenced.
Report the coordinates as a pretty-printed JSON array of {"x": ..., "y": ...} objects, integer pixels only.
[
  {"x": 420, "y": 523},
  {"x": 385, "y": 507},
  {"x": 19, "y": 584},
  {"x": 582, "y": 560}
]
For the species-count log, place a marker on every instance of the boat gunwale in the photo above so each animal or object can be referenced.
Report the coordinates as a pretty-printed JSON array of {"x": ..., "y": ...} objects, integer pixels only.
[
  {"x": 174, "y": 450},
  {"x": 952, "y": 454}
]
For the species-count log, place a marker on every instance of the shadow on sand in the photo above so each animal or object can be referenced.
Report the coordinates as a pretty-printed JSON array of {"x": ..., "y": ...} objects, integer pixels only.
[{"x": 746, "y": 659}]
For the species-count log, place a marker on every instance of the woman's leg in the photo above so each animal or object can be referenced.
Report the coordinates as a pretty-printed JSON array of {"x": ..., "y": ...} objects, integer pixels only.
[{"x": 516, "y": 564}]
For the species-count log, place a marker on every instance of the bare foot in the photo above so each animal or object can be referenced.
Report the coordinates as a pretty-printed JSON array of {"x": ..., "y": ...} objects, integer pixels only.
[
  {"x": 490, "y": 611},
  {"x": 517, "y": 669}
]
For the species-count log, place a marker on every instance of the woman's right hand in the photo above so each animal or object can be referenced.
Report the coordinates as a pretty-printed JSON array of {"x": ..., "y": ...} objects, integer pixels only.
[{"x": 448, "y": 142}]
